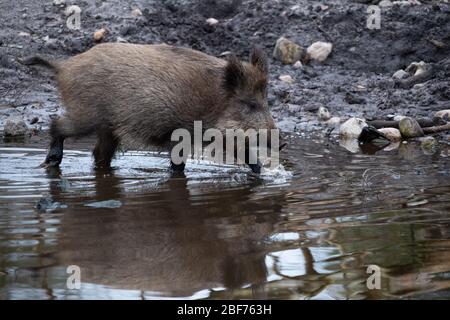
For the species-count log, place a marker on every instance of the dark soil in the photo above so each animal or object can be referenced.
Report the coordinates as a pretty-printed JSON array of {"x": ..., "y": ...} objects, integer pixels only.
[{"x": 356, "y": 80}]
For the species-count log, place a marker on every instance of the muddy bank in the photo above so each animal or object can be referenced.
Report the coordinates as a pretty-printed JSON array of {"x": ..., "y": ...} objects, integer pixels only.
[{"x": 355, "y": 80}]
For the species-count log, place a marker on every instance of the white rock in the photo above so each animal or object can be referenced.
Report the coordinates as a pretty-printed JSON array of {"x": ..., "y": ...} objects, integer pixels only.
[
  {"x": 136, "y": 12},
  {"x": 323, "y": 114},
  {"x": 400, "y": 74},
  {"x": 385, "y": 3},
  {"x": 286, "y": 78},
  {"x": 212, "y": 22},
  {"x": 319, "y": 50},
  {"x": 23, "y": 34},
  {"x": 407, "y": 2},
  {"x": 298, "y": 65},
  {"x": 417, "y": 68},
  {"x": 392, "y": 134},
  {"x": 58, "y": 2},
  {"x": 443, "y": 114},
  {"x": 352, "y": 128}
]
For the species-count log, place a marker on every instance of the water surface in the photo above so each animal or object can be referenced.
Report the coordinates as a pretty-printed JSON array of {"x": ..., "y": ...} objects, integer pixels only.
[{"x": 308, "y": 231}]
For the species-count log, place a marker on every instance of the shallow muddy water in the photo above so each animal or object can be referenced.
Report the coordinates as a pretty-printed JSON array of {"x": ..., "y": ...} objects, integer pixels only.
[{"x": 309, "y": 230}]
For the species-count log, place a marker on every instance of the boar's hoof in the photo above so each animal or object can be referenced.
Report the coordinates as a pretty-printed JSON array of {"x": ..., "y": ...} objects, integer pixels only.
[
  {"x": 52, "y": 160},
  {"x": 177, "y": 167},
  {"x": 50, "y": 164},
  {"x": 256, "y": 168}
]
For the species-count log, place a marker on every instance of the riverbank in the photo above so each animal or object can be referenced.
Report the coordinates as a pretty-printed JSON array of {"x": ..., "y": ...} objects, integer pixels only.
[{"x": 354, "y": 81}]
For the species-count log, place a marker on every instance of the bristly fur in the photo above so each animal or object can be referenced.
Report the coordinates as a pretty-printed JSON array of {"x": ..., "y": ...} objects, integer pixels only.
[{"x": 142, "y": 93}]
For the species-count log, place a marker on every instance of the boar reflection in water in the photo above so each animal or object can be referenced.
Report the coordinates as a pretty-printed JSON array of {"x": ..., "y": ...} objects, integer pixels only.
[
  {"x": 172, "y": 246},
  {"x": 142, "y": 93}
]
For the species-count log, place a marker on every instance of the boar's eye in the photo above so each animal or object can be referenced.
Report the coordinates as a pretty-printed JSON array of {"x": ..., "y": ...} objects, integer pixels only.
[{"x": 253, "y": 105}]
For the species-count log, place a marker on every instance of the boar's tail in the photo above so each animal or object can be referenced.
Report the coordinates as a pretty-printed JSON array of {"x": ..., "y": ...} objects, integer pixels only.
[{"x": 38, "y": 60}]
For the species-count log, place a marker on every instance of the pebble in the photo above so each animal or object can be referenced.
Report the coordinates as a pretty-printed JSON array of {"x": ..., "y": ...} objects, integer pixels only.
[
  {"x": 100, "y": 34},
  {"x": 287, "y": 51},
  {"x": 323, "y": 114},
  {"x": 444, "y": 114},
  {"x": 136, "y": 12},
  {"x": 212, "y": 22},
  {"x": 392, "y": 134},
  {"x": 319, "y": 50},
  {"x": 286, "y": 78},
  {"x": 409, "y": 128},
  {"x": 352, "y": 128}
]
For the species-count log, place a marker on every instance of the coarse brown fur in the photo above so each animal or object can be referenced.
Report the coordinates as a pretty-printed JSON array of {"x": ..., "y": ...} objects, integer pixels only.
[{"x": 143, "y": 93}]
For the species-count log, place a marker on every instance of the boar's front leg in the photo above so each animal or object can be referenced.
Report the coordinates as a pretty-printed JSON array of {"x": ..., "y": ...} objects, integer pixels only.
[
  {"x": 256, "y": 167},
  {"x": 105, "y": 148}
]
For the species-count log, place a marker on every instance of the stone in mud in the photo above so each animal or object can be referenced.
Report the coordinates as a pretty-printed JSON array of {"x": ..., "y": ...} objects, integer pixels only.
[
  {"x": 409, "y": 128},
  {"x": 212, "y": 22},
  {"x": 59, "y": 2},
  {"x": 298, "y": 65},
  {"x": 392, "y": 134},
  {"x": 287, "y": 51},
  {"x": 323, "y": 114},
  {"x": 417, "y": 68},
  {"x": 385, "y": 4},
  {"x": 400, "y": 74},
  {"x": 443, "y": 114},
  {"x": 136, "y": 12},
  {"x": 100, "y": 34},
  {"x": 24, "y": 34},
  {"x": 352, "y": 128},
  {"x": 319, "y": 50},
  {"x": 428, "y": 144},
  {"x": 286, "y": 78},
  {"x": 15, "y": 128}
]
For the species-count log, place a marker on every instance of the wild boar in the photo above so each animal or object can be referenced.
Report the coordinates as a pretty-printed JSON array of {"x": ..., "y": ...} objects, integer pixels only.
[{"x": 145, "y": 92}]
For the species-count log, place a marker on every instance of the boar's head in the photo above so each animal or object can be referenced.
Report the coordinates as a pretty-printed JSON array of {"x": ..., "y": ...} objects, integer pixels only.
[{"x": 245, "y": 85}]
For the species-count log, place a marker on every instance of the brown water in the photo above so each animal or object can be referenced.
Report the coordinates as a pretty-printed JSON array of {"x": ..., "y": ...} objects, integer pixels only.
[{"x": 309, "y": 230}]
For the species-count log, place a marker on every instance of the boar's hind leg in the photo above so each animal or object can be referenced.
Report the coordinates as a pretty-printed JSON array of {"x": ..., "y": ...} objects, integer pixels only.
[
  {"x": 105, "y": 148},
  {"x": 55, "y": 152}
]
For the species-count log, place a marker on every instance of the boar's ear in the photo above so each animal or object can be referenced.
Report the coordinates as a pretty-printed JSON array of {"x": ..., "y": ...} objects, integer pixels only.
[
  {"x": 259, "y": 59},
  {"x": 234, "y": 73}
]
